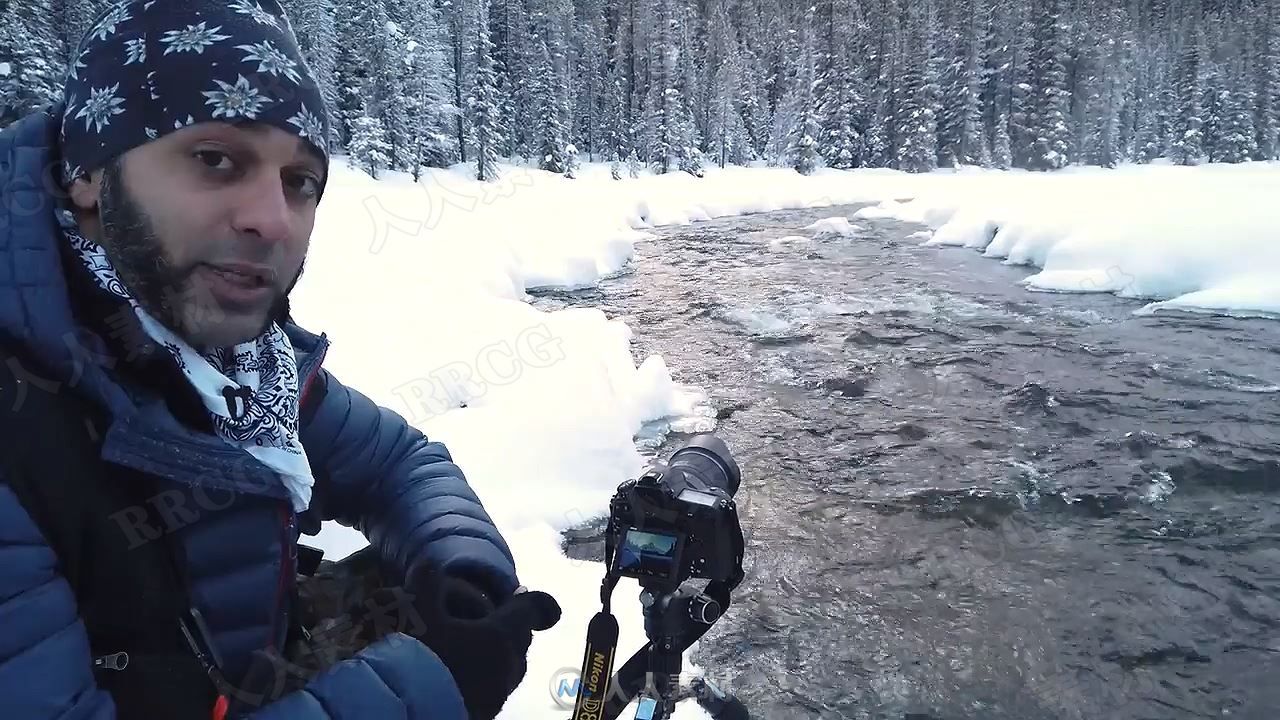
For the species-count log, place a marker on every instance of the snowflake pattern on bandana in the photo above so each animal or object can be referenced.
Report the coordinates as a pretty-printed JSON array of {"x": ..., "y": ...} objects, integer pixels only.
[
  {"x": 270, "y": 60},
  {"x": 238, "y": 100},
  {"x": 256, "y": 12},
  {"x": 310, "y": 127},
  {"x": 101, "y": 105},
  {"x": 194, "y": 38},
  {"x": 137, "y": 49},
  {"x": 107, "y": 26}
]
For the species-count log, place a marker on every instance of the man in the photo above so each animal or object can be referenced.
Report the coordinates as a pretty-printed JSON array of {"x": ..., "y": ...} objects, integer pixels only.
[{"x": 168, "y": 429}]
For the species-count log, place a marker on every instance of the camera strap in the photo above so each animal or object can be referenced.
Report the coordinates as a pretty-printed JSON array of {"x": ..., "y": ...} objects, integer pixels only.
[{"x": 602, "y": 645}]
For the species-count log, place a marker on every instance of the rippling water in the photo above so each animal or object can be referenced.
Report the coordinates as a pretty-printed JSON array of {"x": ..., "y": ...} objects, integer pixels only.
[{"x": 966, "y": 500}]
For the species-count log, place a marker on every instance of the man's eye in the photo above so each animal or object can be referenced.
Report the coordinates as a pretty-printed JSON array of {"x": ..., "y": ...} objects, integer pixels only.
[
  {"x": 214, "y": 160},
  {"x": 305, "y": 185}
]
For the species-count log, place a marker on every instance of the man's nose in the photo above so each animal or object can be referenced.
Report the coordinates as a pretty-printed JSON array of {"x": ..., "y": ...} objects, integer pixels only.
[{"x": 262, "y": 210}]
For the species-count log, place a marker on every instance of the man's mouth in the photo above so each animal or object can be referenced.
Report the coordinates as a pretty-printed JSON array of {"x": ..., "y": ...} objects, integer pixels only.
[
  {"x": 239, "y": 288},
  {"x": 242, "y": 275}
]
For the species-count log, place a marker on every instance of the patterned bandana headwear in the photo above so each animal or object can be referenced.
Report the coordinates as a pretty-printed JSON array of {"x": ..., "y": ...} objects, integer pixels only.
[{"x": 147, "y": 68}]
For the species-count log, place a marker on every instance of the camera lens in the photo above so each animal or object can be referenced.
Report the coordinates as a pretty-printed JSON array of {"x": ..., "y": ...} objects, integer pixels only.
[{"x": 707, "y": 458}]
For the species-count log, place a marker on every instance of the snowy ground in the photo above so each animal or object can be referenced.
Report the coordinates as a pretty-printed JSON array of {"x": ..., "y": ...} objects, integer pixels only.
[
  {"x": 422, "y": 287},
  {"x": 1203, "y": 239}
]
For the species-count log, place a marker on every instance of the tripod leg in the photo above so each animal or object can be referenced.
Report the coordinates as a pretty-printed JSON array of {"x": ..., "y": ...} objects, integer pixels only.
[{"x": 717, "y": 704}]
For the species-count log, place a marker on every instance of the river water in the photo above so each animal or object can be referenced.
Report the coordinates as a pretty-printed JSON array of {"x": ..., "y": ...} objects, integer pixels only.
[{"x": 963, "y": 499}]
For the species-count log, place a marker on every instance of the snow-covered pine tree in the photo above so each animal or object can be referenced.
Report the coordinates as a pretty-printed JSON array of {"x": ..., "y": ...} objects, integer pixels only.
[
  {"x": 690, "y": 158},
  {"x": 668, "y": 126},
  {"x": 427, "y": 87},
  {"x": 1104, "y": 141},
  {"x": 1001, "y": 150},
  {"x": 1214, "y": 102},
  {"x": 1022, "y": 84},
  {"x": 997, "y": 83},
  {"x": 550, "y": 135},
  {"x": 753, "y": 101},
  {"x": 460, "y": 18},
  {"x": 33, "y": 58},
  {"x": 878, "y": 142},
  {"x": 389, "y": 94},
  {"x": 590, "y": 84},
  {"x": 1237, "y": 140},
  {"x": 722, "y": 106},
  {"x": 369, "y": 147},
  {"x": 13, "y": 103},
  {"x": 1081, "y": 63},
  {"x": 915, "y": 117},
  {"x": 966, "y": 92},
  {"x": 690, "y": 108},
  {"x": 949, "y": 56},
  {"x": 841, "y": 105},
  {"x": 514, "y": 60},
  {"x": 1187, "y": 142},
  {"x": 555, "y": 25},
  {"x": 1266, "y": 79},
  {"x": 802, "y": 137},
  {"x": 482, "y": 105},
  {"x": 355, "y": 30},
  {"x": 632, "y": 56},
  {"x": 1047, "y": 121},
  {"x": 1147, "y": 138},
  {"x": 723, "y": 112},
  {"x": 615, "y": 133},
  {"x": 840, "y": 112}
]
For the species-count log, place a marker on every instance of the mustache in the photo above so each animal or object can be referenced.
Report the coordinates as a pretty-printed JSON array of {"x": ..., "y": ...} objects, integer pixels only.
[{"x": 247, "y": 253}]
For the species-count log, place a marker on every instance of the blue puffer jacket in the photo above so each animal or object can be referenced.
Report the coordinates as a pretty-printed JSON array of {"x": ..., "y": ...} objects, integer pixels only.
[{"x": 373, "y": 470}]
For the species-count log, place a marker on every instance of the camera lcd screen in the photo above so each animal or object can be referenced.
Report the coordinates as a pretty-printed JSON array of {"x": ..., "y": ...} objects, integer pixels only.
[{"x": 648, "y": 553}]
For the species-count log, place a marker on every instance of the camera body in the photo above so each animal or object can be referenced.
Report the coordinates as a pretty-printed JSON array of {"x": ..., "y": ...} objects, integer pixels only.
[{"x": 678, "y": 521}]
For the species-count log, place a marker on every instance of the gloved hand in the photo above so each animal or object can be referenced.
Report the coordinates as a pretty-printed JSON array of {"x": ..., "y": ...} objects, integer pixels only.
[{"x": 483, "y": 643}]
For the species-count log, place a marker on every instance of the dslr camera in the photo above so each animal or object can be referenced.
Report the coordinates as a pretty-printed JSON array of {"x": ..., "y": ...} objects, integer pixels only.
[{"x": 678, "y": 520}]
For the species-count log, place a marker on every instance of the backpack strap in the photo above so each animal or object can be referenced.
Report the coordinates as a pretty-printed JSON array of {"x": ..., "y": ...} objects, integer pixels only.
[{"x": 131, "y": 596}]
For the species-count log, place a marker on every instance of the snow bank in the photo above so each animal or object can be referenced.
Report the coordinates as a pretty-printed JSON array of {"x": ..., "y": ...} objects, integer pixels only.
[{"x": 1201, "y": 239}]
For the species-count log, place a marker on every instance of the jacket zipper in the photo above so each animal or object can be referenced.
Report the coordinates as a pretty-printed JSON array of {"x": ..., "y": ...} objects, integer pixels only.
[
  {"x": 112, "y": 661},
  {"x": 286, "y": 568}
]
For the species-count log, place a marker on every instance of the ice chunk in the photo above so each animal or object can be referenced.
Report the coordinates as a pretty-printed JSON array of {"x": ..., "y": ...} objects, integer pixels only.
[{"x": 838, "y": 226}]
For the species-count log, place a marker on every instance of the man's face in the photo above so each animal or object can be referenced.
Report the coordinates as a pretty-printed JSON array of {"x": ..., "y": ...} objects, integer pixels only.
[{"x": 208, "y": 226}]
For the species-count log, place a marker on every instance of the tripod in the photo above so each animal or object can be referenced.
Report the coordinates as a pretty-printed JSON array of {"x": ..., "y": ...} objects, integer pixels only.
[{"x": 673, "y": 620}]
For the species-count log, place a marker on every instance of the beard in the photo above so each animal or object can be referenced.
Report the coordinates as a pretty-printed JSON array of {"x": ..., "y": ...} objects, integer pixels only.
[{"x": 162, "y": 288}]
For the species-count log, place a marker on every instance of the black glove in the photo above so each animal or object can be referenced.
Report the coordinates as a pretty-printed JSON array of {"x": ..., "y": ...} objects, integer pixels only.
[{"x": 483, "y": 643}]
